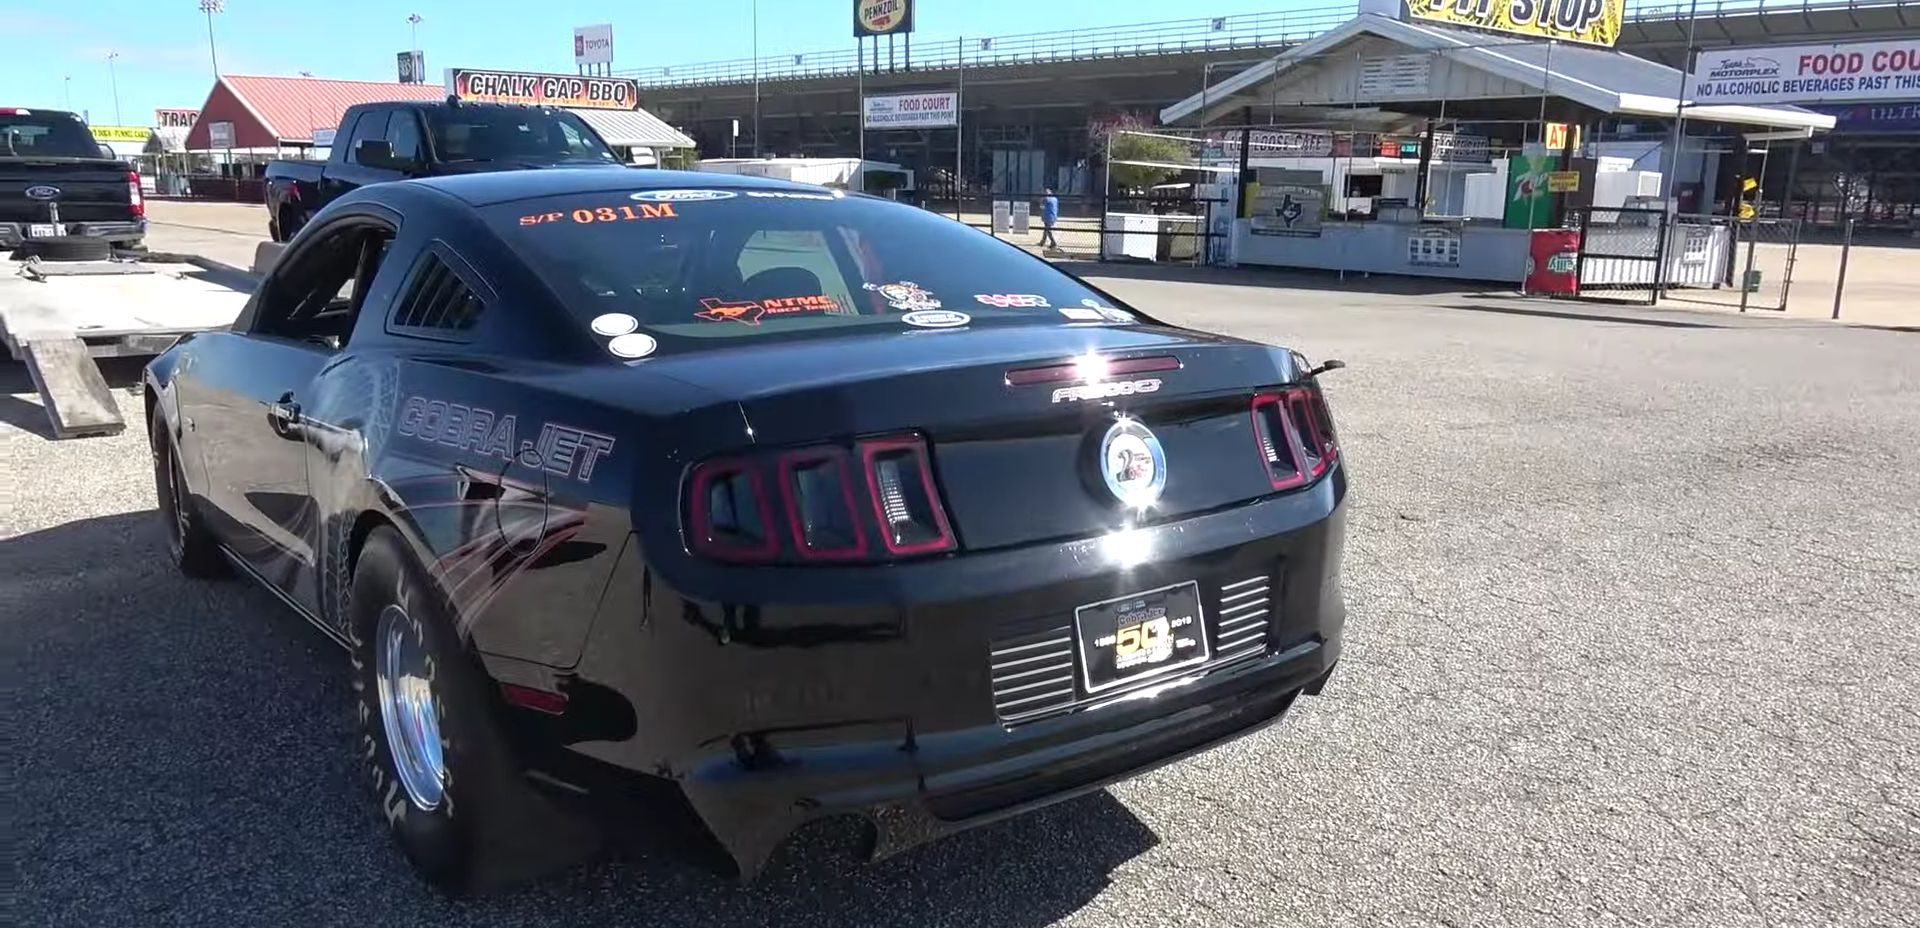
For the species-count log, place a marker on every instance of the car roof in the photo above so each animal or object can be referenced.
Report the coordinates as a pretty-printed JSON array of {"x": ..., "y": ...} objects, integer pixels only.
[{"x": 488, "y": 189}]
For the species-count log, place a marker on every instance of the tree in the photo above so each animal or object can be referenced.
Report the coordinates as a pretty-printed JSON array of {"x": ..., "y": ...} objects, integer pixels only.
[{"x": 1117, "y": 138}]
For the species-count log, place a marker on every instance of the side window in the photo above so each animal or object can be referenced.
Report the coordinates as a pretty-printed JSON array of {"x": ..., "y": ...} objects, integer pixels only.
[
  {"x": 436, "y": 303},
  {"x": 778, "y": 263},
  {"x": 366, "y": 126},
  {"x": 403, "y": 132},
  {"x": 316, "y": 296},
  {"x": 343, "y": 134}
]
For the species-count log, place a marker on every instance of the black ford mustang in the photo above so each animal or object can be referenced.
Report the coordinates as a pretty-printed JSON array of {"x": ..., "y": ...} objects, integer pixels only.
[{"x": 749, "y": 496}]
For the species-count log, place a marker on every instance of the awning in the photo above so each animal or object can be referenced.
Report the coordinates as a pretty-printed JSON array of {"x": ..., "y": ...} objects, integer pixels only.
[
  {"x": 1601, "y": 79},
  {"x": 633, "y": 128},
  {"x": 167, "y": 139}
]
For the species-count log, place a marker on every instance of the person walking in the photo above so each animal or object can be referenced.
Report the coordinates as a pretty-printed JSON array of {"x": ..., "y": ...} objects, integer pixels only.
[{"x": 1049, "y": 214}]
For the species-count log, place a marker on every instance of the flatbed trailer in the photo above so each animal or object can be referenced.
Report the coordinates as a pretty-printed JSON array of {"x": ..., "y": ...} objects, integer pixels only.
[{"x": 57, "y": 317}]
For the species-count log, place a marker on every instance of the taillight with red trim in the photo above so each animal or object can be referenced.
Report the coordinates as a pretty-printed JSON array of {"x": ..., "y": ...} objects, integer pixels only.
[
  {"x": 830, "y": 501},
  {"x": 730, "y": 513},
  {"x": 137, "y": 204},
  {"x": 1293, "y": 433}
]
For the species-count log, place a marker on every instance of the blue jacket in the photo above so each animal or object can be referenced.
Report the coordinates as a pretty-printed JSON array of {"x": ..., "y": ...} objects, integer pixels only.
[{"x": 1049, "y": 210}]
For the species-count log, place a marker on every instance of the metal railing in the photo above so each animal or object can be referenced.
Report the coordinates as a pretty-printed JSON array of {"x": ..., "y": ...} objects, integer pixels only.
[
  {"x": 1210, "y": 33},
  {"x": 1251, "y": 30}
]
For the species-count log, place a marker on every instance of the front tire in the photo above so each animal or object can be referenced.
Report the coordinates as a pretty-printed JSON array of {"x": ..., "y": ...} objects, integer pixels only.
[
  {"x": 442, "y": 772},
  {"x": 190, "y": 545}
]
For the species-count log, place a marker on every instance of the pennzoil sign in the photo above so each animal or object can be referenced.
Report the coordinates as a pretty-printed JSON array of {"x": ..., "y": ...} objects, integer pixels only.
[
  {"x": 573, "y": 91},
  {"x": 882, "y": 17},
  {"x": 1589, "y": 22}
]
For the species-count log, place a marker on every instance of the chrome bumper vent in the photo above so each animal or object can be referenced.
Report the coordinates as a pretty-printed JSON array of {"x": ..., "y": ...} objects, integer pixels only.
[
  {"x": 1241, "y": 618},
  {"x": 1033, "y": 674}
]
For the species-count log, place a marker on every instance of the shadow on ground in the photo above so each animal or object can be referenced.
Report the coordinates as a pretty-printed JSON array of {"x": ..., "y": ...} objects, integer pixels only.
[{"x": 191, "y": 758}]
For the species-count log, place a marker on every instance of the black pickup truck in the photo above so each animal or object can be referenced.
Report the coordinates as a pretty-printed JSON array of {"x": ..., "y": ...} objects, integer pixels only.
[
  {"x": 378, "y": 142},
  {"x": 61, "y": 193}
]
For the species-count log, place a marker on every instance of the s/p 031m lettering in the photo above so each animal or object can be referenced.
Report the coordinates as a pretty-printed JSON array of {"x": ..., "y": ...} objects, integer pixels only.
[{"x": 572, "y": 571}]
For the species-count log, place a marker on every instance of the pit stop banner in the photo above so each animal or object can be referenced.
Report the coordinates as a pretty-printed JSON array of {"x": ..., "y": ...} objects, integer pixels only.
[
  {"x": 573, "y": 91},
  {"x": 882, "y": 17},
  {"x": 1589, "y": 22},
  {"x": 1848, "y": 72}
]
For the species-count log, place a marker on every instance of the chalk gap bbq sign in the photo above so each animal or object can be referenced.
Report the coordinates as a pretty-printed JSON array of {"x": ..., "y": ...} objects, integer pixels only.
[{"x": 573, "y": 91}]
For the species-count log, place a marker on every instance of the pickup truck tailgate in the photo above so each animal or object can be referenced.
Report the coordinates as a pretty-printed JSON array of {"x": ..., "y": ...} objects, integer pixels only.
[{"x": 83, "y": 190}]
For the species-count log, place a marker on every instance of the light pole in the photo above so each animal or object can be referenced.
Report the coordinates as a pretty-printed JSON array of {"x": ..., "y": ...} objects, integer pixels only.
[
  {"x": 115, "y": 77},
  {"x": 66, "y": 86},
  {"x": 756, "y": 78},
  {"x": 1670, "y": 203},
  {"x": 211, "y": 7},
  {"x": 413, "y": 32}
]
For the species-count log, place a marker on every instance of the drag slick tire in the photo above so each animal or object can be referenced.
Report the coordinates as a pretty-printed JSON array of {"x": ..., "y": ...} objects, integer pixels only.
[
  {"x": 430, "y": 742},
  {"x": 190, "y": 545}
]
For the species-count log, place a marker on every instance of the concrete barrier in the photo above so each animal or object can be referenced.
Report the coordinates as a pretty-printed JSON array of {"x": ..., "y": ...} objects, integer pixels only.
[{"x": 265, "y": 255}]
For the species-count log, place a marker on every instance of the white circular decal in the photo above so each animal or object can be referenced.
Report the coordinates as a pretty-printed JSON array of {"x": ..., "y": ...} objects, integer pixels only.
[
  {"x": 634, "y": 345},
  {"x": 936, "y": 319},
  {"x": 612, "y": 324},
  {"x": 1132, "y": 464},
  {"x": 679, "y": 196}
]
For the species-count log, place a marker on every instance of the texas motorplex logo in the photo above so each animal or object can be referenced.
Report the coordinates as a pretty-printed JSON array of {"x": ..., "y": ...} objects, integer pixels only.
[
  {"x": 1746, "y": 66},
  {"x": 1108, "y": 390}
]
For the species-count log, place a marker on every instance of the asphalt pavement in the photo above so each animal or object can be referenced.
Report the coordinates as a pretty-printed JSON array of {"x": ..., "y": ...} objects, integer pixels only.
[{"x": 1634, "y": 640}]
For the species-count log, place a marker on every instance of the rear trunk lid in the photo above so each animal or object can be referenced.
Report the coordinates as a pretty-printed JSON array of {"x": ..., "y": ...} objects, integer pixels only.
[
  {"x": 1015, "y": 415},
  {"x": 44, "y": 190}
]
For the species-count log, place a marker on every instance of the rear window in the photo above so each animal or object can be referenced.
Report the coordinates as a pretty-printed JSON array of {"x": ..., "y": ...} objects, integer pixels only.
[
  {"x": 718, "y": 264},
  {"x": 45, "y": 135},
  {"x": 500, "y": 133}
]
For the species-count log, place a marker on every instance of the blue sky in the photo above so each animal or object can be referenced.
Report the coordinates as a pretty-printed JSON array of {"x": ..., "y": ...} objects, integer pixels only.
[{"x": 163, "y": 60}]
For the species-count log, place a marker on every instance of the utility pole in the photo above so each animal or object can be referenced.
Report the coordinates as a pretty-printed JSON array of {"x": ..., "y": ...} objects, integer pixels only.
[
  {"x": 66, "y": 86},
  {"x": 1668, "y": 201},
  {"x": 115, "y": 77},
  {"x": 756, "y": 78},
  {"x": 211, "y": 7}
]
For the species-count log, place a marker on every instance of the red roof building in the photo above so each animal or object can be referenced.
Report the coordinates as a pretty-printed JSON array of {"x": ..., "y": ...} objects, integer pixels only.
[{"x": 271, "y": 112}]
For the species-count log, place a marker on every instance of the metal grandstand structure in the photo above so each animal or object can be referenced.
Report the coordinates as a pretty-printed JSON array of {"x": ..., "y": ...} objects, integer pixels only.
[{"x": 1178, "y": 36}]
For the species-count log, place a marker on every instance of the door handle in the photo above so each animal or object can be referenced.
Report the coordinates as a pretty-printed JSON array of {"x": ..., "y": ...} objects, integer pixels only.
[{"x": 285, "y": 409}]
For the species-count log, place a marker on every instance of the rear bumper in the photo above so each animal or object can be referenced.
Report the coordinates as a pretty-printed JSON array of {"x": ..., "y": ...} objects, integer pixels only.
[
  {"x": 126, "y": 232},
  {"x": 887, "y": 703}
]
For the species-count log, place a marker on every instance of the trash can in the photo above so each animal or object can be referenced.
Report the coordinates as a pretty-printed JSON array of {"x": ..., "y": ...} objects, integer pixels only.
[{"x": 1553, "y": 256}]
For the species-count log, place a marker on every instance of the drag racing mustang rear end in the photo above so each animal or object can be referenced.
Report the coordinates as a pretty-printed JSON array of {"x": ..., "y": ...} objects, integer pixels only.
[{"x": 780, "y": 503}]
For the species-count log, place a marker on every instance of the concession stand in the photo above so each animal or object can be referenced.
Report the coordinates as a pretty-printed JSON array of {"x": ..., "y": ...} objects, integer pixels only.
[{"x": 1409, "y": 146}]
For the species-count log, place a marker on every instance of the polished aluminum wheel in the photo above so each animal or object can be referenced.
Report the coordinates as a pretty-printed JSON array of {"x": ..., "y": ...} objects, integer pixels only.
[{"x": 408, "y": 710}]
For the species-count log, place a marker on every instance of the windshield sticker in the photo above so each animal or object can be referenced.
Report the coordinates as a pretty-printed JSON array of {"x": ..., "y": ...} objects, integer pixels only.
[
  {"x": 751, "y": 312},
  {"x": 632, "y": 345},
  {"x": 680, "y": 196},
  {"x": 1108, "y": 312},
  {"x": 1081, "y": 314},
  {"x": 587, "y": 216},
  {"x": 936, "y": 319},
  {"x": 790, "y": 195},
  {"x": 612, "y": 324},
  {"x": 1013, "y": 300},
  {"x": 905, "y": 295}
]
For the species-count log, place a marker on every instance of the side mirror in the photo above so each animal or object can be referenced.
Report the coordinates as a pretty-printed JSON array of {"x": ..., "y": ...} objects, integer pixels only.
[
  {"x": 375, "y": 153},
  {"x": 106, "y": 151},
  {"x": 1331, "y": 364}
]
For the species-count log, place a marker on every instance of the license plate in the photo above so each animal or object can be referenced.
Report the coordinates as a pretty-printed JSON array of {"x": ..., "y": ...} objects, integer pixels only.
[
  {"x": 1140, "y": 635},
  {"x": 45, "y": 230}
]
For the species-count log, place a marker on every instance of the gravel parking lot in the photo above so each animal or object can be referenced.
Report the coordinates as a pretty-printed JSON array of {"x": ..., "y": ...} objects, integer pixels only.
[{"x": 1635, "y": 630}]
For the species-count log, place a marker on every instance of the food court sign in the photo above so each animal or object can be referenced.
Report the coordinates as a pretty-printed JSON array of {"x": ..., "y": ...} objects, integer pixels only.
[
  {"x": 1851, "y": 72},
  {"x": 573, "y": 91},
  {"x": 1589, "y": 22}
]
